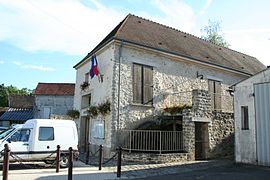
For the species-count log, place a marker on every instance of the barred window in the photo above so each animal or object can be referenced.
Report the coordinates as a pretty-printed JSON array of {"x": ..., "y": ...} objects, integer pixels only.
[{"x": 142, "y": 84}]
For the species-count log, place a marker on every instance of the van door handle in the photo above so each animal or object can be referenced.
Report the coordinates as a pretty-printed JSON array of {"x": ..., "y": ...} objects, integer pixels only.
[{"x": 26, "y": 144}]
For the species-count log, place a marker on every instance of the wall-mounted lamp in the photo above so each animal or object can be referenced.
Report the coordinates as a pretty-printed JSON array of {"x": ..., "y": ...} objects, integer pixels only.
[
  {"x": 199, "y": 75},
  {"x": 231, "y": 91}
]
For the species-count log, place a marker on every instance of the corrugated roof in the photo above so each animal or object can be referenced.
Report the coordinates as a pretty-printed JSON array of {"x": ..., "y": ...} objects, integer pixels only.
[
  {"x": 61, "y": 89},
  {"x": 146, "y": 33},
  {"x": 17, "y": 114}
]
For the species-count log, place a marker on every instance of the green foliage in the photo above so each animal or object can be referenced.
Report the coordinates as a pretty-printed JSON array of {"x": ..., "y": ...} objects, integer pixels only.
[
  {"x": 5, "y": 91},
  {"x": 92, "y": 111},
  {"x": 176, "y": 109},
  {"x": 74, "y": 114},
  {"x": 104, "y": 108},
  {"x": 211, "y": 34}
]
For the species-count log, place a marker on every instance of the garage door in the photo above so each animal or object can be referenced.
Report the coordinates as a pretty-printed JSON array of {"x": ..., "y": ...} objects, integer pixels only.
[{"x": 262, "y": 108}]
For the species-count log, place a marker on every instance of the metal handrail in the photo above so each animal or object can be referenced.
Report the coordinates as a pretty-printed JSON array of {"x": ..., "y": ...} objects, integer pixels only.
[{"x": 152, "y": 140}]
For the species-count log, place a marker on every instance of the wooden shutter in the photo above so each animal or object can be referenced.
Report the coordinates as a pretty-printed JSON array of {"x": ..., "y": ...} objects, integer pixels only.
[
  {"x": 147, "y": 85},
  {"x": 137, "y": 83},
  {"x": 217, "y": 95},
  {"x": 211, "y": 90}
]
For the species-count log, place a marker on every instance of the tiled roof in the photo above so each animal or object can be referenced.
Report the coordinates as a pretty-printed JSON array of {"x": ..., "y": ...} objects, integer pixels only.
[
  {"x": 18, "y": 101},
  {"x": 61, "y": 89},
  {"x": 142, "y": 32},
  {"x": 17, "y": 114}
]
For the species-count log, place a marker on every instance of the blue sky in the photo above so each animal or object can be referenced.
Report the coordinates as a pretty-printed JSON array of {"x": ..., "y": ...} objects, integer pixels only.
[{"x": 41, "y": 40}]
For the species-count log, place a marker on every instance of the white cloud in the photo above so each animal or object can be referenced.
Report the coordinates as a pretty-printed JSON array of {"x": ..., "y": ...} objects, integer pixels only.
[
  {"x": 65, "y": 26},
  {"x": 205, "y": 7},
  {"x": 17, "y": 63},
  {"x": 176, "y": 14},
  {"x": 34, "y": 67}
]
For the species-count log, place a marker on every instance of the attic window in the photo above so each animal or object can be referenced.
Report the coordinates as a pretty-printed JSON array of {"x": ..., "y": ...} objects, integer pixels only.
[
  {"x": 139, "y": 22},
  {"x": 219, "y": 48},
  {"x": 160, "y": 43},
  {"x": 185, "y": 36},
  {"x": 207, "y": 57},
  {"x": 244, "y": 57},
  {"x": 242, "y": 68}
]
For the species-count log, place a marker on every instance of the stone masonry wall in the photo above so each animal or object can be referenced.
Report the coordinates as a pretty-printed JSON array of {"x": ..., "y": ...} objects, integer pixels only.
[
  {"x": 221, "y": 135},
  {"x": 188, "y": 134}
]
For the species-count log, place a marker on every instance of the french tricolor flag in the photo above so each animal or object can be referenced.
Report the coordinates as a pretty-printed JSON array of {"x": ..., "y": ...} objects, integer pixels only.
[{"x": 93, "y": 67}]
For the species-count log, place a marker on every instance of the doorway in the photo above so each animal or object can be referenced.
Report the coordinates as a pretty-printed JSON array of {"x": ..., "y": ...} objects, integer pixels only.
[
  {"x": 201, "y": 140},
  {"x": 84, "y": 134}
]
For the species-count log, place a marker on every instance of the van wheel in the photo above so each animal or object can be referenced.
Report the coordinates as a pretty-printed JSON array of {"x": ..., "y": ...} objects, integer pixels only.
[{"x": 63, "y": 161}]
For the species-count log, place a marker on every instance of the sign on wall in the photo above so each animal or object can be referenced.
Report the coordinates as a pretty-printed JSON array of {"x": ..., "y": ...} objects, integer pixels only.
[{"x": 98, "y": 129}]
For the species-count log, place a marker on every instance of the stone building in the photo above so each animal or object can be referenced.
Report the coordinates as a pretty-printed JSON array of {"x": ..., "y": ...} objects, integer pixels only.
[
  {"x": 251, "y": 106},
  {"x": 53, "y": 100},
  {"x": 168, "y": 92}
]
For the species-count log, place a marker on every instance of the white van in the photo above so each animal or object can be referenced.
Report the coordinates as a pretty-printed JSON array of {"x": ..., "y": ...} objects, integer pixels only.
[{"x": 37, "y": 140}]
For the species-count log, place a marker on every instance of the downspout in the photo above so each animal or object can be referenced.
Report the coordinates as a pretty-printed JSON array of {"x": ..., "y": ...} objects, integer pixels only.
[{"x": 119, "y": 83}]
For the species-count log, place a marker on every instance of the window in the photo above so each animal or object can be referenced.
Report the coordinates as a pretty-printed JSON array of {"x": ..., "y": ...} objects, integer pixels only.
[
  {"x": 86, "y": 101},
  {"x": 142, "y": 84},
  {"x": 214, "y": 88},
  {"x": 244, "y": 117},
  {"x": 86, "y": 77},
  {"x": 21, "y": 135},
  {"x": 46, "y": 134}
]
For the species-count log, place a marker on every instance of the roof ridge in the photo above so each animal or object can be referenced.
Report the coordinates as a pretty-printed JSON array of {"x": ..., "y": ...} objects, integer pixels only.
[
  {"x": 56, "y": 83},
  {"x": 192, "y": 35}
]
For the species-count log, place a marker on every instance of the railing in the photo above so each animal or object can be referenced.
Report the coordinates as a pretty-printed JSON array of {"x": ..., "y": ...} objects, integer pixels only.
[{"x": 152, "y": 141}]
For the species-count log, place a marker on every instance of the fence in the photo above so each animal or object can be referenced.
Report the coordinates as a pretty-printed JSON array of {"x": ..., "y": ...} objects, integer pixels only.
[
  {"x": 152, "y": 141},
  {"x": 7, "y": 153}
]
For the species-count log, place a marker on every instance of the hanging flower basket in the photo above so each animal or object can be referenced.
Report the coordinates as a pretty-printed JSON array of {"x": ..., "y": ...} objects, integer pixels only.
[
  {"x": 104, "y": 108},
  {"x": 74, "y": 114},
  {"x": 92, "y": 111},
  {"x": 84, "y": 85}
]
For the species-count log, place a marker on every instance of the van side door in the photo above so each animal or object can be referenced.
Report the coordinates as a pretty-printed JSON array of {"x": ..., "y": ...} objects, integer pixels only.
[
  {"x": 19, "y": 144},
  {"x": 45, "y": 143}
]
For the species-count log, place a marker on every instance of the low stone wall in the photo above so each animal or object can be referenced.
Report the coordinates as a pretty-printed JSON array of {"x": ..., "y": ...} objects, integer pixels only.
[{"x": 155, "y": 158}]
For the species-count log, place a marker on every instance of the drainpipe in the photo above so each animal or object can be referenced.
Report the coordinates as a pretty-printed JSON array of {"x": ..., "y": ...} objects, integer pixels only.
[{"x": 119, "y": 83}]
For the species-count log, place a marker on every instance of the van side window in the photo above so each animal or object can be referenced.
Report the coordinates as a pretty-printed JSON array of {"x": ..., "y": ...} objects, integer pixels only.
[
  {"x": 21, "y": 135},
  {"x": 46, "y": 134}
]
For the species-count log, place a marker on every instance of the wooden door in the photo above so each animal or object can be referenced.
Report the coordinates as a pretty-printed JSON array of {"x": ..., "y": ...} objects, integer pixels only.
[{"x": 201, "y": 140}]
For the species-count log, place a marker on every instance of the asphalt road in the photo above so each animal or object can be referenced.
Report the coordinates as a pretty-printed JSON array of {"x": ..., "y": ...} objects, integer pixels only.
[{"x": 229, "y": 172}]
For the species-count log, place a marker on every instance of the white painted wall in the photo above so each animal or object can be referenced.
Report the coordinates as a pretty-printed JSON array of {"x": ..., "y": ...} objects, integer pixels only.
[
  {"x": 245, "y": 140},
  {"x": 100, "y": 92}
]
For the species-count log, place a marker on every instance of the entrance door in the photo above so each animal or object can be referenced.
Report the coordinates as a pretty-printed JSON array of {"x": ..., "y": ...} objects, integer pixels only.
[
  {"x": 201, "y": 140},
  {"x": 262, "y": 106},
  {"x": 84, "y": 135}
]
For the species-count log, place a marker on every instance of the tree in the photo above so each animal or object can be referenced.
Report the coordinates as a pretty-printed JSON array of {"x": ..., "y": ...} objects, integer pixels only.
[
  {"x": 211, "y": 34},
  {"x": 5, "y": 91}
]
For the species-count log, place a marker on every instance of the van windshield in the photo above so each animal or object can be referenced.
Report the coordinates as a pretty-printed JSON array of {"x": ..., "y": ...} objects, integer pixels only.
[{"x": 3, "y": 134}]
